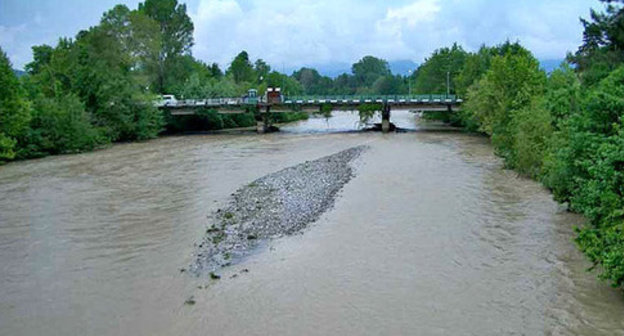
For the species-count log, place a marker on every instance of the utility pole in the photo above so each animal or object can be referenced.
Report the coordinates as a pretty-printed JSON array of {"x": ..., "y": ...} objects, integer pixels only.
[
  {"x": 283, "y": 79},
  {"x": 448, "y": 84},
  {"x": 409, "y": 81}
]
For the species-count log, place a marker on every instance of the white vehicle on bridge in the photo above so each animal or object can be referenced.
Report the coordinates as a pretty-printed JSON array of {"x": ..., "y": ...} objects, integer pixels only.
[{"x": 166, "y": 100}]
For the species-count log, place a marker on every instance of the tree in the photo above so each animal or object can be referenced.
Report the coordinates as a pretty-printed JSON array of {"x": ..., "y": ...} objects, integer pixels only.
[
  {"x": 139, "y": 38},
  {"x": 344, "y": 85},
  {"x": 241, "y": 69},
  {"x": 215, "y": 71},
  {"x": 388, "y": 85},
  {"x": 477, "y": 64},
  {"x": 431, "y": 76},
  {"x": 603, "y": 44},
  {"x": 309, "y": 79},
  {"x": 368, "y": 70},
  {"x": 563, "y": 95},
  {"x": 289, "y": 85},
  {"x": 511, "y": 84},
  {"x": 59, "y": 125},
  {"x": 312, "y": 82},
  {"x": 176, "y": 29},
  {"x": 262, "y": 69},
  {"x": 14, "y": 109},
  {"x": 41, "y": 56}
]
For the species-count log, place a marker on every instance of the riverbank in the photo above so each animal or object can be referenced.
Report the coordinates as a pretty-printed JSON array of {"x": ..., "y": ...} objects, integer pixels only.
[
  {"x": 278, "y": 204},
  {"x": 208, "y": 122}
]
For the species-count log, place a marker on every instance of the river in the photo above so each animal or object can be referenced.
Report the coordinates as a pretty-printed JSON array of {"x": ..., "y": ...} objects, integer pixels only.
[{"x": 432, "y": 237}]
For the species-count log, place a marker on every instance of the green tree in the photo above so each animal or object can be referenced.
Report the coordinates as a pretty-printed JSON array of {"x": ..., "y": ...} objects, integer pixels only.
[
  {"x": 241, "y": 68},
  {"x": 431, "y": 76},
  {"x": 388, "y": 85},
  {"x": 215, "y": 71},
  {"x": 288, "y": 85},
  {"x": 262, "y": 69},
  {"x": 603, "y": 43},
  {"x": 14, "y": 109},
  {"x": 176, "y": 30},
  {"x": 344, "y": 85},
  {"x": 41, "y": 56},
  {"x": 563, "y": 94},
  {"x": 58, "y": 125},
  {"x": 477, "y": 64},
  {"x": 511, "y": 83},
  {"x": 367, "y": 70}
]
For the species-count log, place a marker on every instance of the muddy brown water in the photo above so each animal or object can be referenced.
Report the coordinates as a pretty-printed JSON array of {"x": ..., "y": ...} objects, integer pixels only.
[{"x": 432, "y": 237}]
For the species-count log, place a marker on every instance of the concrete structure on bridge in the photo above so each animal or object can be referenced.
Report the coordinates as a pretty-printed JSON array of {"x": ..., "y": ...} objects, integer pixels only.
[{"x": 274, "y": 102}]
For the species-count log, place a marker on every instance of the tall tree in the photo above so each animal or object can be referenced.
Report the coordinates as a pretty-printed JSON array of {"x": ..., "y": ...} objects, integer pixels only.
[
  {"x": 176, "y": 29},
  {"x": 262, "y": 68},
  {"x": 241, "y": 68},
  {"x": 476, "y": 64},
  {"x": 431, "y": 76},
  {"x": 510, "y": 85},
  {"x": 603, "y": 43},
  {"x": 215, "y": 70},
  {"x": 369, "y": 69},
  {"x": 14, "y": 109},
  {"x": 41, "y": 56}
]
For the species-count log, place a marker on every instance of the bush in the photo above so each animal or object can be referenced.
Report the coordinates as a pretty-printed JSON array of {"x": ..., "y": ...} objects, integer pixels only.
[
  {"x": 288, "y": 117},
  {"x": 531, "y": 129},
  {"x": 59, "y": 125},
  {"x": 14, "y": 109},
  {"x": 506, "y": 90},
  {"x": 244, "y": 119}
]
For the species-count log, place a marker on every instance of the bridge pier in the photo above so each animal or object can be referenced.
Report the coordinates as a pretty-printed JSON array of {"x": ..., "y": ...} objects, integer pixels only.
[
  {"x": 385, "y": 119},
  {"x": 263, "y": 121}
]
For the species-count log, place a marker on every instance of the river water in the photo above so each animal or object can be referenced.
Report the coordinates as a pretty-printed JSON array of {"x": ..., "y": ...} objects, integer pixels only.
[{"x": 432, "y": 237}]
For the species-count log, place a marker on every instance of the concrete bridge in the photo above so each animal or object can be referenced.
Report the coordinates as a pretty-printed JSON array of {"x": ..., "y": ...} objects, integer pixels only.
[{"x": 274, "y": 102}]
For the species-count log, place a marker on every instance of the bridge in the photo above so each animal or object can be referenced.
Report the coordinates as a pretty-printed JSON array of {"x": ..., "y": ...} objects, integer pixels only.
[{"x": 274, "y": 102}]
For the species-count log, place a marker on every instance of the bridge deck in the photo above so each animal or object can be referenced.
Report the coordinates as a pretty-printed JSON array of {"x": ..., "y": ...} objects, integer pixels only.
[{"x": 313, "y": 103}]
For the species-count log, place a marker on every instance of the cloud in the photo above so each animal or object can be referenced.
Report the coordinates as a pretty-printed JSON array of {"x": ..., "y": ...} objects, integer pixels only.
[
  {"x": 306, "y": 32},
  {"x": 294, "y": 33},
  {"x": 9, "y": 36}
]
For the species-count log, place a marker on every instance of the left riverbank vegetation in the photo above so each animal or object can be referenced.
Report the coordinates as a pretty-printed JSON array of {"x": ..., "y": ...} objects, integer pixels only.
[
  {"x": 563, "y": 128},
  {"x": 98, "y": 87}
]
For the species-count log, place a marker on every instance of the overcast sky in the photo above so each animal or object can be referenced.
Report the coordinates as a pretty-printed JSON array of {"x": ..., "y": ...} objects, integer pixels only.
[{"x": 294, "y": 33}]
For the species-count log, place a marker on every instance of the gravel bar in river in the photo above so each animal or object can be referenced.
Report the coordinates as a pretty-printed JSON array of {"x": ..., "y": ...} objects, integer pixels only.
[{"x": 281, "y": 203}]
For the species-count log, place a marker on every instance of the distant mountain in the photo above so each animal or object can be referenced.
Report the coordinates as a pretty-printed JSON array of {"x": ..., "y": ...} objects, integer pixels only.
[
  {"x": 333, "y": 70},
  {"x": 402, "y": 67},
  {"x": 550, "y": 64},
  {"x": 399, "y": 67},
  {"x": 19, "y": 73}
]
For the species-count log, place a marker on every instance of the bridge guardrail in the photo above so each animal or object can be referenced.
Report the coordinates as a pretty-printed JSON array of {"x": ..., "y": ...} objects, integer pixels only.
[
  {"x": 308, "y": 99},
  {"x": 359, "y": 99}
]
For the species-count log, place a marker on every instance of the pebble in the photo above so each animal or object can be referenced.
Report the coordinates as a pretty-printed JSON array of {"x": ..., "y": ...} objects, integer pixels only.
[{"x": 278, "y": 204}]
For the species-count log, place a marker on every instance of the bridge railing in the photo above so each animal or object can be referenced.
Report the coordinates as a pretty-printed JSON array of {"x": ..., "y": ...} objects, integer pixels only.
[
  {"x": 355, "y": 99},
  {"x": 209, "y": 102},
  {"x": 309, "y": 99}
]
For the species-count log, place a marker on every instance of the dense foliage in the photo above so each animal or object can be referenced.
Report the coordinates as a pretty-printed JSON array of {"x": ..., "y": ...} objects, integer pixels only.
[
  {"x": 100, "y": 86},
  {"x": 14, "y": 109},
  {"x": 564, "y": 129}
]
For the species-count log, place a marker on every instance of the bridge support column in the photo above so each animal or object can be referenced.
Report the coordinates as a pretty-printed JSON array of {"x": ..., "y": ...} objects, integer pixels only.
[
  {"x": 260, "y": 126},
  {"x": 263, "y": 120},
  {"x": 385, "y": 119}
]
